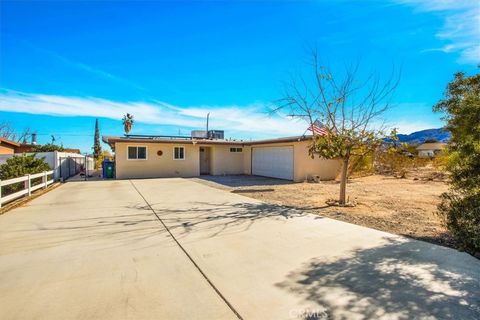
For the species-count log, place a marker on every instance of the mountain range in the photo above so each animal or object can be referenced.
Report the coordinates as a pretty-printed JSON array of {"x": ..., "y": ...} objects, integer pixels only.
[{"x": 439, "y": 134}]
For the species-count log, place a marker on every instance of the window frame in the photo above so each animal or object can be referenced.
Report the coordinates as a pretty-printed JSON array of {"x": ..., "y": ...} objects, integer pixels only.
[
  {"x": 236, "y": 149},
  {"x": 184, "y": 153},
  {"x": 136, "y": 147}
]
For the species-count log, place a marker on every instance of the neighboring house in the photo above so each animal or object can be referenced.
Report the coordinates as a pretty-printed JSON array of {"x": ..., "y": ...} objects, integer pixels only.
[
  {"x": 430, "y": 150},
  {"x": 25, "y": 148},
  {"x": 77, "y": 151},
  {"x": 8, "y": 146},
  {"x": 154, "y": 156},
  {"x": 64, "y": 164},
  {"x": 30, "y": 147}
]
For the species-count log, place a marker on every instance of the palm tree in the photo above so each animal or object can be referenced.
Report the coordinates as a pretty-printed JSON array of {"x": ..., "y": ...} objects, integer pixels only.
[{"x": 127, "y": 122}]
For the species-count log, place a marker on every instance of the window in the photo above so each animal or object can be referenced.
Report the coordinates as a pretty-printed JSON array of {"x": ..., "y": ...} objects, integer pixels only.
[
  {"x": 236, "y": 150},
  {"x": 137, "y": 153},
  {"x": 178, "y": 153}
]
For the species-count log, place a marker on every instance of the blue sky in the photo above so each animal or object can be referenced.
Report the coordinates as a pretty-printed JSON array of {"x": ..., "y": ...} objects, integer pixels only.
[{"x": 62, "y": 64}]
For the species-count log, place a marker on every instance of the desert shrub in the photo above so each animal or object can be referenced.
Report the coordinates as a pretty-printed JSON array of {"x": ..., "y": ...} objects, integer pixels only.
[
  {"x": 18, "y": 166},
  {"x": 409, "y": 148},
  {"x": 393, "y": 161},
  {"x": 421, "y": 162},
  {"x": 393, "y": 157},
  {"x": 397, "y": 158},
  {"x": 441, "y": 160},
  {"x": 460, "y": 207},
  {"x": 362, "y": 165}
]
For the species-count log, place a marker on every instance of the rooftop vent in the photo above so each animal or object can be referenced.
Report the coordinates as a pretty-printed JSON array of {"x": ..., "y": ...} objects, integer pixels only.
[
  {"x": 215, "y": 134},
  {"x": 34, "y": 138},
  {"x": 210, "y": 134},
  {"x": 199, "y": 134}
]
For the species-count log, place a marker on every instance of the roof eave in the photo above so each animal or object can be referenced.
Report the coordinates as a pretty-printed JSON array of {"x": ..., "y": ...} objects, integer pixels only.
[{"x": 111, "y": 140}]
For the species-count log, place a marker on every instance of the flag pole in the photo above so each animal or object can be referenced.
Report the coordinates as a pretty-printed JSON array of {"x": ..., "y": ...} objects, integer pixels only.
[
  {"x": 303, "y": 135},
  {"x": 309, "y": 127}
]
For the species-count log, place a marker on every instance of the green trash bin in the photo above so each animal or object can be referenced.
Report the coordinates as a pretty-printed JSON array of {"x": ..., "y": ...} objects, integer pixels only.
[{"x": 108, "y": 169}]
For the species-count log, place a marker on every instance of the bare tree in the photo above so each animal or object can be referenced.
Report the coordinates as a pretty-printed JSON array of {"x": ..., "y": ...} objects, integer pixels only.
[
  {"x": 25, "y": 135},
  {"x": 348, "y": 108},
  {"x": 7, "y": 131}
]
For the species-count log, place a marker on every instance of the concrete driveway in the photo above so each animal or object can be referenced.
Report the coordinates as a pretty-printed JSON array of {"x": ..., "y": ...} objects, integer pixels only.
[{"x": 177, "y": 249}]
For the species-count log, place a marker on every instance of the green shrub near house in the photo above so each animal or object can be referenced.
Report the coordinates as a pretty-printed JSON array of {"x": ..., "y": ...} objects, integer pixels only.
[{"x": 19, "y": 166}]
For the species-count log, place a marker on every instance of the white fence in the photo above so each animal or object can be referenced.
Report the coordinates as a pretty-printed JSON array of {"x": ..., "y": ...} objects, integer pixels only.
[
  {"x": 28, "y": 189},
  {"x": 61, "y": 163}
]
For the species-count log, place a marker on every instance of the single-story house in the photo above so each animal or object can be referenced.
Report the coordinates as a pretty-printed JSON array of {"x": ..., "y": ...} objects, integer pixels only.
[
  {"x": 430, "y": 150},
  {"x": 8, "y": 146},
  {"x": 157, "y": 156}
]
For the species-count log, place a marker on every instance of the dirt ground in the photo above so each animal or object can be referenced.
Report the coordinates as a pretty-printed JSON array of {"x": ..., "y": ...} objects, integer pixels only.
[{"x": 401, "y": 206}]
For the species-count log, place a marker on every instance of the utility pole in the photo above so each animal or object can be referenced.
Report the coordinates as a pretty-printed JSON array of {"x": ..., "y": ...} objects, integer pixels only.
[
  {"x": 86, "y": 166},
  {"x": 208, "y": 116},
  {"x": 208, "y": 135}
]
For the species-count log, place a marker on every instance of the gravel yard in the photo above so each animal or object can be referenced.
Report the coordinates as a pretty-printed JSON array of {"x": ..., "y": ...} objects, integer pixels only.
[{"x": 401, "y": 206}]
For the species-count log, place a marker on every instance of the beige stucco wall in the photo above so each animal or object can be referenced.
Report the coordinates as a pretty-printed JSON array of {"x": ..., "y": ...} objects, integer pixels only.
[
  {"x": 247, "y": 160},
  {"x": 304, "y": 166},
  {"x": 225, "y": 162},
  {"x": 157, "y": 166},
  {"x": 222, "y": 161}
]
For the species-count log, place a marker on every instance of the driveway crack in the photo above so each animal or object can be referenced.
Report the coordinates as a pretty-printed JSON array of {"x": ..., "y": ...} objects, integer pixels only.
[{"x": 188, "y": 255}]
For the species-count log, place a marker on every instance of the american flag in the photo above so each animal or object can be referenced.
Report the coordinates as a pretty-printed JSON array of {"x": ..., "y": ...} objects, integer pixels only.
[{"x": 318, "y": 128}]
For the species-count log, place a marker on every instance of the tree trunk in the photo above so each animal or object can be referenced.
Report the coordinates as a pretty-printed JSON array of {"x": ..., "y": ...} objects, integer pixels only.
[
  {"x": 343, "y": 181},
  {"x": 127, "y": 127}
]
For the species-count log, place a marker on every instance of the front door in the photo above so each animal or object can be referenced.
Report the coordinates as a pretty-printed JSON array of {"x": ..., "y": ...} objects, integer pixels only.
[{"x": 204, "y": 160}]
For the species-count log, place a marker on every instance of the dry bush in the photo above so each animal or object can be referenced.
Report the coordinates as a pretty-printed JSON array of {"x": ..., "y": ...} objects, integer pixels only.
[
  {"x": 440, "y": 161},
  {"x": 393, "y": 162},
  {"x": 362, "y": 166}
]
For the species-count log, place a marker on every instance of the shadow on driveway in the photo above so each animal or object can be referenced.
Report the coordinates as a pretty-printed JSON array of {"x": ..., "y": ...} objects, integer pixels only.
[
  {"x": 401, "y": 279},
  {"x": 218, "y": 218},
  {"x": 106, "y": 231}
]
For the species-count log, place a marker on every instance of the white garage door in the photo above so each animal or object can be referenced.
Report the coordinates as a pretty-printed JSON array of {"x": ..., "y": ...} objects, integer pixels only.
[{"x": 275, "y": 162}]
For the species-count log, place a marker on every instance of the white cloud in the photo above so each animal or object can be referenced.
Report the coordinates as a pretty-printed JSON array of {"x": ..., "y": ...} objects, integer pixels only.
[
  {"x": 246, "y": 121},
  {"x": 461, "y": 29},
  {"x": 249, "y": 121}
]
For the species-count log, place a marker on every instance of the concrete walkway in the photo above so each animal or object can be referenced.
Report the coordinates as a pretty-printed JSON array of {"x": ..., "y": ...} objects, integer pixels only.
[{"x": 100, "y": 250}]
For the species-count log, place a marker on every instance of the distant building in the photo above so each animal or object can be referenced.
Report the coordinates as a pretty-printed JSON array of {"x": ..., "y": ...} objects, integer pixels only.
[
  {"x": 11, "y": 147},
  {"x": 25, "y": 148},
  {"x": 430, "y": 150},
  {"x": 72, "y": 150},
  {"x": 8, "y": 146}
]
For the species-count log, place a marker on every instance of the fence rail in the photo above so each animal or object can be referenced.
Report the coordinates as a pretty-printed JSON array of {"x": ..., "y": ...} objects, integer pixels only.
[{"x": 28, "y": 188}]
